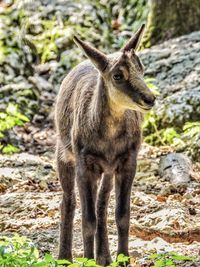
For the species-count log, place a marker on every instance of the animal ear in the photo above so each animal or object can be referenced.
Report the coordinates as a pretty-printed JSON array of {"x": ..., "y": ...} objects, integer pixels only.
[
  {"x": 98, "y": 58},
  {"x": 134, "y": 42}
]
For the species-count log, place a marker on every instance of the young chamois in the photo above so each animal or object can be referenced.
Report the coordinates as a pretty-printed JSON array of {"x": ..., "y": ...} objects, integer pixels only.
[{"x": 98, "y": 121}]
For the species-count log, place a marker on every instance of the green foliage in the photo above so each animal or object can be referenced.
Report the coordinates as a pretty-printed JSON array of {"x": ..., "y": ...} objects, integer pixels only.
[
  {"x": 167, "y": 136},
  {"x": 47, "y": 42},
  {"x": 154, "y": 134},
  {"x": 191, "y": 129},
  {"x": 150, "y": 83},
  {"x": 191, "y": 137},
  {"x": 169, "y": 259},
  {"x": 8, "y": 119},
  {"x": 99, "y": 23},
  {"x": 18, "y": 251},
  {"x": 9, "y": 149}
]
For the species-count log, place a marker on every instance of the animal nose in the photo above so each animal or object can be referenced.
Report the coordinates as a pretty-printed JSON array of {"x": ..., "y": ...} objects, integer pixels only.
[{"x": 149, "y": 100}]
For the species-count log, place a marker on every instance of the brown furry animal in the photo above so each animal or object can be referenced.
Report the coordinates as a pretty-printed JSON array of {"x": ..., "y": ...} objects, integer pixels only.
[{"x": 98, "y": 121}]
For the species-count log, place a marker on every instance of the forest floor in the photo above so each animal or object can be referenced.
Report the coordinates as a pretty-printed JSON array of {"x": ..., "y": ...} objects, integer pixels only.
[{"x": 164, "y": 217}]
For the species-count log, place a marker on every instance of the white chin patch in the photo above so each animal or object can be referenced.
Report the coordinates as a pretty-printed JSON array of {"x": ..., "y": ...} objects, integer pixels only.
[
  {"x": 133, "y": 106},
  {"x": 138, "y": 108},
  {"x": 121, "y": 100}
]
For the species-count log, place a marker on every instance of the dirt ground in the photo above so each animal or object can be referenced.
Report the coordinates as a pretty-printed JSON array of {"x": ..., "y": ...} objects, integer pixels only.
[{"x": 164, "y": 217}]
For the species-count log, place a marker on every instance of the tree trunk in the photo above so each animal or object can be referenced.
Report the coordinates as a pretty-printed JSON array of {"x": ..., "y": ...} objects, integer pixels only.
[{"x": 171, "y": 18}]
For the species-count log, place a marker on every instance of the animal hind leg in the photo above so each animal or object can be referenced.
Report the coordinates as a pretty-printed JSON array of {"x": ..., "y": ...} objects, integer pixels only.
[{"x": 66, "y": 175}]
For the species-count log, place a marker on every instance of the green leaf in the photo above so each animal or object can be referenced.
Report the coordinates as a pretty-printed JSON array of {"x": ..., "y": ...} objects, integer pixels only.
[
  {"x": 22, "y": 117},
  {"x": 11, "y": 109},
  {"x": 183, "y": 258},
  {"x": 154, "y": 256},
  {"x": 114, "y": 264},
  {"x": 39, "y": 264},
  {"x": 122, "y": 258},
  {"x": 10, "y": 149},
  {"x": 63, "y": 262},
  {"x": 81, "y": 259},
  {"x": 48, "y": 258},
  {"x": 160, "y": 263},
  {"x": 74, "y": 265},
  {"x": 3, "y": 115},
  {"x": 90, "y": 263},
  {"x": 169, "y": 262}
]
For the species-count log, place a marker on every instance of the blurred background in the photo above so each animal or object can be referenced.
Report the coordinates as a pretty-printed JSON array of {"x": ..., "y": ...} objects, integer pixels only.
[{"x": 37, "y": 51}]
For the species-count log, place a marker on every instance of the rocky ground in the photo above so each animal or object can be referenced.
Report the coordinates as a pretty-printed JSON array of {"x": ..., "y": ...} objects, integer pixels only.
[{"x": 164, "y": 216}]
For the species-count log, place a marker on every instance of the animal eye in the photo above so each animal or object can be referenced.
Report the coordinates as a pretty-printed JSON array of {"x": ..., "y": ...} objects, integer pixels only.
[{"x": 118, "y": 77}]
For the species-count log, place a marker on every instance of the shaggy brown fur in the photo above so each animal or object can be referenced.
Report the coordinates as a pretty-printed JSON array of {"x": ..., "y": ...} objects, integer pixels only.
[{"x": 98, "y": 121}]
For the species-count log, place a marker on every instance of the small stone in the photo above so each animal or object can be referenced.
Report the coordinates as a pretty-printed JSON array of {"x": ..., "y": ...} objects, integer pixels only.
[
  {"x": 192, "y": 211},
  {"x": 38, "y": 118},
  {"x": 43, "y": 184},
  {"x": 42, "y": 68},
  {"x": 48, "y": 166},
  {"x": 175, "y": 167},
  {"x": 187, "y": 195},
  {"x": 40, "y": 83}
]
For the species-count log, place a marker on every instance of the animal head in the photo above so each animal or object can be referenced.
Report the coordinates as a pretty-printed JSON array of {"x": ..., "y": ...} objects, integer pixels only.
[{"x": 123, "y": 75}]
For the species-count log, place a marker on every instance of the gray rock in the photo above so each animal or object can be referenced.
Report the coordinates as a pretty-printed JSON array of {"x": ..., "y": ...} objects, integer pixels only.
[
  {"x": 175, "y": 65},
  {"x": 40, "y": 83},
  {"x": 176, "y": 168},
  {"x": 177, "y": 57},
  {"x": 42, "y": 68}
]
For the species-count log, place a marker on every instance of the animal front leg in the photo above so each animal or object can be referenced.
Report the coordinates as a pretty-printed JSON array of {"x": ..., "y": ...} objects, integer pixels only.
[
  {"x": 123, "y": 184},
  {"x": 87, "y": 186},
  {"x": 102, "y": 246}
]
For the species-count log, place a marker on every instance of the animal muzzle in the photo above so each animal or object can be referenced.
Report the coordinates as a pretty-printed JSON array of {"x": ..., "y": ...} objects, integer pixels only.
[
  {"x": 148, "y": 100},
  {"x": 143, "y": 97}
]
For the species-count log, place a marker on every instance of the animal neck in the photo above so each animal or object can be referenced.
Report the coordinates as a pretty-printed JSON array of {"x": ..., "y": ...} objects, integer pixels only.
[
  {"x": 115, "y": 110},
  {"x": 103, "y": 109}
]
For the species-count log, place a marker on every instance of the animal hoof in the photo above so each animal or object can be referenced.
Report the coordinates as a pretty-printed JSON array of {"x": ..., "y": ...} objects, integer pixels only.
[
  {"x": 103, "y": 260},
  {"x": 63, "y": 256}
]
